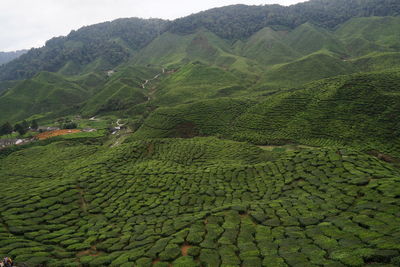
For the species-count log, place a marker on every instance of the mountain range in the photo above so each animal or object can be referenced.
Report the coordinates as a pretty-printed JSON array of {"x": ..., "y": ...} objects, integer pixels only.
[{"x": 6, "y": 57}]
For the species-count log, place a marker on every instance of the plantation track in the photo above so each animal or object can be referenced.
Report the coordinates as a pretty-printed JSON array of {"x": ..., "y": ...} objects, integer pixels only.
[
  {"x": 153, "y": 89},
  {"x": 82, "y": 201}
]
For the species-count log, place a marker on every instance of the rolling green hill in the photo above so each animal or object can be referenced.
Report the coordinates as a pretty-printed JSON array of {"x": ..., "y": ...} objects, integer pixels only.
[
  {"x": 45, "y": 93},
  {"x": 312, "y": 67},
  {"x": 307, "y": 39},
  {"x": 168, "y": 48},
  {"x": 196, "y": 81},
  {"x": 358, "y": 111},
  {"x": 202, "y": 118},
  {"x": 267, "y": 47},
  {"x": 172, "y": 50},
  {"x": 373, "y": 34},
  {"x": 122, "y": 90},
  {"x": 378, "y": 61}
]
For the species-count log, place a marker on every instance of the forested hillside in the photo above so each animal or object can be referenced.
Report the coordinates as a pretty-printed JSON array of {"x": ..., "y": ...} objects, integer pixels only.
[
  {"x": 104, "y": 46},
  {"x": 241, "y": 136},
  {"x": 99, "y": 47},
  {"x": 240, "y": 21}
]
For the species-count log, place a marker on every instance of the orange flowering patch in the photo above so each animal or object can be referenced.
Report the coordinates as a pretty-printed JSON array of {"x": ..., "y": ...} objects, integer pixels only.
[{"x": 46, "y": 135}]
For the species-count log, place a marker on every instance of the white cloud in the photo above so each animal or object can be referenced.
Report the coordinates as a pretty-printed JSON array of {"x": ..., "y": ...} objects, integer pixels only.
[{"x": 27, "y": 23}]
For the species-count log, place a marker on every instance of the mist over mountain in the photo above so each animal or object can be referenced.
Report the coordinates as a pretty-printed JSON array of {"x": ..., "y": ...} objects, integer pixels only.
[{"x": 6, "y": 57}]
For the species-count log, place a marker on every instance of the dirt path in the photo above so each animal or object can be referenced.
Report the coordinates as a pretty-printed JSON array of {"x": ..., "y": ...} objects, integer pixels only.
[
  {"x": 119, "y": 124},
  {"x": 120, "y": 136},
  {"x": 153, "y": 89},
  {"x": 89, "y": 252},
  {"x": 286, "y": 147},
  {"x": 82, "y": 201},
  {"x": 2, "y": 222}
]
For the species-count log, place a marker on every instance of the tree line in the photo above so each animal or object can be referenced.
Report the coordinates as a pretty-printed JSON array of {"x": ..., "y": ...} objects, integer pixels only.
[
  {"x": 241, "y": 21},
  {"x": 115, "y": 42},
  {"x": 21, "y": 128},
  {"x": 112, "y": 42}
]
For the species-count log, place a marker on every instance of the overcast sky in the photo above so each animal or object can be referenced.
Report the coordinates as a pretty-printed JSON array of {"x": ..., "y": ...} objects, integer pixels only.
[{"x": 29, "y": 23}]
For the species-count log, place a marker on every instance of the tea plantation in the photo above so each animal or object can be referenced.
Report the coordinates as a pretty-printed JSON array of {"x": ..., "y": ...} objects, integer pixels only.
[
  {"x": 197, "y": 202},
  {"x": 359, "y": 110},
  {"x": 242, "y": 136}
]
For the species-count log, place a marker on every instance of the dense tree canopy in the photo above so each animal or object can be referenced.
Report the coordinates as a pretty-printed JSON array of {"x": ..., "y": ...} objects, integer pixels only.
[
  {"x": 110, "y": 42},
  {"x": 241, "y": 21},
  {"x": 6, "y": 129}
]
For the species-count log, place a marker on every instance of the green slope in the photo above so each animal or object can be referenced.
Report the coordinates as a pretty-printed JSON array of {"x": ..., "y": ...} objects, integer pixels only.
[
  {"x": 267, "y": 47},
  {"x": 358, "y": 110},
  {"x": 4, "y": 86},
  {"x": 196, "y": 81},
  {"x": 307, "y": 39},
  {"x": 166, "y": 49},
  {"x": 373, "y": 34},
  {"x": 172, "y": 50},
  {"x": 313, "y": 67},
  {"x": 377, "y": 61},
  {"x": 45, "y": 93},
  {"x": 202, "y": 118},
  {"x": 226, "y": 203},
  {"x": 271, "y": 59},
  {"x": 121, "y": 91},
  {"x": 49, "y": 95},
  {"x": 91, "y": 81}
]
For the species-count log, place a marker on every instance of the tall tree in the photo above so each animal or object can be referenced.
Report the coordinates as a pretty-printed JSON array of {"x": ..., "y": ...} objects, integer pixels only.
[
  {"x": 34, "y": 125},
  {"x": 6, "y": 129},
  {"x": 25, "y": 124},
  {"x": 21, "y": 128}
]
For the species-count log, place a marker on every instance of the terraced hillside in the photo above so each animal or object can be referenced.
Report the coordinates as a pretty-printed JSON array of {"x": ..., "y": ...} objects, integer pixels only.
[
  {"x": 50, "y": 95},
  {"x": 200, "y": 64},
  {"x": 44, "y": 93},
  {"x": 358, "y": 111},
  {"x": 198, "y": 202},
  {"x": 240, "y": 136}
]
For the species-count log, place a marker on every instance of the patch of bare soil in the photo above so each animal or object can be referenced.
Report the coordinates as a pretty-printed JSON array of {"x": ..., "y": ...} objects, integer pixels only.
[
  {"x": 89, "y": 252},
  {"x": 186, "y": 130},
  {"x": 46, "y": 135},
  {"x": 185, "y": 248}
]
